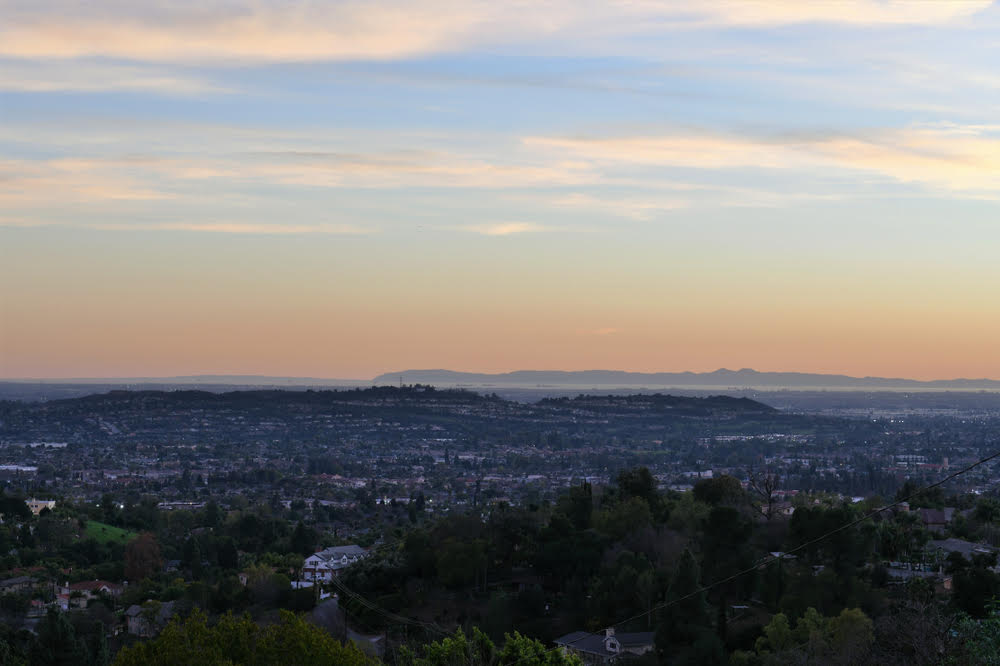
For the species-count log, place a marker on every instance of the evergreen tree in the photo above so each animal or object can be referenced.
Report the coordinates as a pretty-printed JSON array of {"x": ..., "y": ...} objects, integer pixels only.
[
  {"x": 142, "y": 557},
  {"x": 99, "y": 653},
  {"x": 229, "y": 557},
  {"x": 303, "y": 540},
  {"x": 213, "y": 515},
  {"x": 638, "y": 482},
  {"x": 56, "y": 643},
  {"x": 686, "y": 615},
  {"x": 193, "y": 557}
]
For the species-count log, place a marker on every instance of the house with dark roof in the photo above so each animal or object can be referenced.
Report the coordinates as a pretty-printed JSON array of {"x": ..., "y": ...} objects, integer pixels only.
[
  {"x": 80, "y": 594},
  {"x": 326, "y": 564},
  {"x": 17, "y": 584},
  {"x": 94, "y": 588},
  {"x": 936, "y": 519},
  {"x": 607, "y": 647},
  {"x": 966, "y": 548}
]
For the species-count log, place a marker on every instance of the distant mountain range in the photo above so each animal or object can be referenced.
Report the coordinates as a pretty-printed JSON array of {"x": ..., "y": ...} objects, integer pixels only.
[{"x": 718, "y": 378}]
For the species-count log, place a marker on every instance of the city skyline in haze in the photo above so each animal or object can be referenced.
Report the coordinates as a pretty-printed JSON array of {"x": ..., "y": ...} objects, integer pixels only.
[{"x": 342, "y": 189}]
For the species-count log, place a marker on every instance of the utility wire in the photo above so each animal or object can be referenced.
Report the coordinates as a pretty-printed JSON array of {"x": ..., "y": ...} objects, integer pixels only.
[
  {"x": 393, "y": 617},
  {"x": 785, "y": 554},
  {"x": 705, "y": 588},
  {"x": 816, "y": 540}
]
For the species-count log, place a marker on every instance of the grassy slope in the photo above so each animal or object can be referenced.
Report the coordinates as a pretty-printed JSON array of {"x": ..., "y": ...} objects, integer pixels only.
[{"x": 107, "y": 533}]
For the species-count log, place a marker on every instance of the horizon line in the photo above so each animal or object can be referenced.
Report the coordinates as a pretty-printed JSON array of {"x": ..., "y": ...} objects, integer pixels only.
[{"x": 305, "y": 378}]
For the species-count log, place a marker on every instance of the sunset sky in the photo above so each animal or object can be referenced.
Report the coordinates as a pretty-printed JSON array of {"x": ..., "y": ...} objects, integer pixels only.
[{"x": 344, "y": 189}]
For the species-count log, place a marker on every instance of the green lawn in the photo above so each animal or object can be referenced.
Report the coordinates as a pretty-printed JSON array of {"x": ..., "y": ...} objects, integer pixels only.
[{"x": 107, "y": 533}]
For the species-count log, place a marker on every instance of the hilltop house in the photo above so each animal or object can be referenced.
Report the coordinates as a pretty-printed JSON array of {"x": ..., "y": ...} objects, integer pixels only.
[
  {"x": 604, "y": 649},
  {"x": 37, "y": 506},
  {"x": 80, "y": 594},
  {"x": 326, "y": 564}
]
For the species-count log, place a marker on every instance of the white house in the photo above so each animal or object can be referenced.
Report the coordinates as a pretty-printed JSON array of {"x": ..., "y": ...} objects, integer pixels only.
[
  {"x": 326, "y": 564},
  {"x": 80, "y": 594},
  {"x": 37, "y": 505}
]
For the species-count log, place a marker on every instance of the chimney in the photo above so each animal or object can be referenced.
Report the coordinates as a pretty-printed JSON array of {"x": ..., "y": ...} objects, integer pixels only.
[{"x": 611, "y": 643}]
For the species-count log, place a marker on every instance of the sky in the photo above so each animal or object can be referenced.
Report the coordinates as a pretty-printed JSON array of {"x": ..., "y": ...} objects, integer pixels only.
[{"x": 341, "y": 189}]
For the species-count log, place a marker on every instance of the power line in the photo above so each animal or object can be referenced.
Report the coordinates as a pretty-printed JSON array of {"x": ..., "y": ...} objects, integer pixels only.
[
  {"x": 393, "y": 617},
  {"x": 811, "y": 542},
  {"x": 705, "y": 588},
  {"x": 822, "y": 537},
  {"x": 375, "y": 608}
]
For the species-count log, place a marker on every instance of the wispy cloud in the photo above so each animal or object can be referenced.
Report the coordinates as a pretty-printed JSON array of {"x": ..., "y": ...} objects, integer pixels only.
[
  {"x": 637, "y": 208},
  {"x": 39, "y": 182},
  {"x": 218, "y": 31},
  {"x": 701, "y": 150},
  {"x": 286, "y": 31},
  {"x": 212, "y": 227},
  {"x": 610, "y": 176},
  {"x": 86, "y": 176},
  {"x": 943, "y": 159},
  {"x": 852, "y": 12},
  {"x": 505, "y": 228},
  {"x": 952, "y": 158},
  {"x": 241, "y": 228},
  {"x": 76, "y": 76},
  {"x": 441, "y": 170}
]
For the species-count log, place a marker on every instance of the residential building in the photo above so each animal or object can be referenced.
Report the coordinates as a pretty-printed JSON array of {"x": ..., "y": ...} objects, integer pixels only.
[
  {"x": 80, "y": 594},
  {"x": 608, "y": 647},
  {"x": 326, "y": 564},
  {"x": 17, "y": 584},
  {"x": 37, "y": 506}
]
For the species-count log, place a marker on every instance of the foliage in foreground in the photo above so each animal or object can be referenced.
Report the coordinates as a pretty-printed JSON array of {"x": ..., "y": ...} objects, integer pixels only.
[
  {"x": 239, "y": 641},
  {"x": 845, "y": 638},
  {"x": 479, "y": 650}
]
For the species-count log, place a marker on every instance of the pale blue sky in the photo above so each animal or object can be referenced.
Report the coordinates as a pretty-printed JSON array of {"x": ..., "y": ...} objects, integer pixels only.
[{"x": 783, "y": 185}]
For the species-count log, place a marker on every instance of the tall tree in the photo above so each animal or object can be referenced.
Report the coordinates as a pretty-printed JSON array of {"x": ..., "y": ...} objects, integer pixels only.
[
  {"x": 99, "y": 653},
  {"x": 229, "y": 557},
  {"x": 686, "y": 616},
  {"x": 192, "y": 557},
  {"x": 142, "y": 557},
  {"x": 56, "y": 643},
  {"x": 638, "y": 482},
  {"x": 763, "y": 484},
  {"x": 577, "y": 504},
  {"x": 303, "y": 540},
  {"x": 720, "y": 490}
]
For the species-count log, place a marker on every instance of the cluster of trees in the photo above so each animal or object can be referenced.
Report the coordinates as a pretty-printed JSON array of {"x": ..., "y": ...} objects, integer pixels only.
[
  {"x": 479, "y": 650},
  {"x": 599, "y": 555},
  {"x": 208, "y": 538},
  {"x": 56, "y": 642},
  {"x": 239, "y": 640},
  {"x": 693, "y": 568},
  {"x": 191, "y": 558}
]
